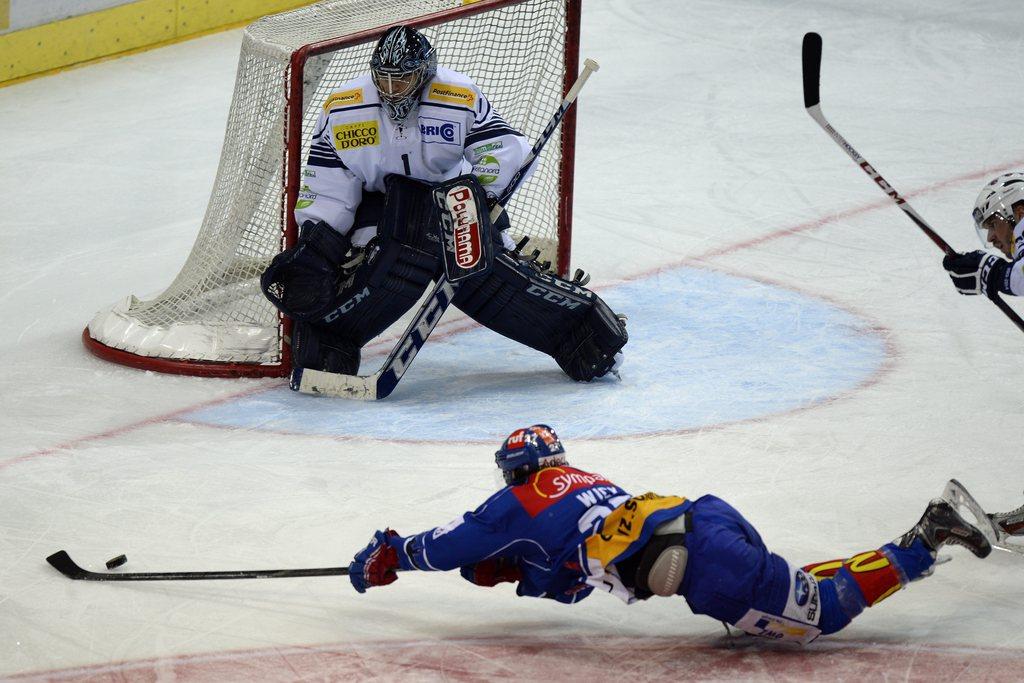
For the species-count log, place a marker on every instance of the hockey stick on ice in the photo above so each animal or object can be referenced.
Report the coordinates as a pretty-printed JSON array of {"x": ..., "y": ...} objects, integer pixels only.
[
  {"x": 812, "y": 102},
  {"x": 1004, "y": 530},
  {"x": 381, "y": 383},
  {"x": 63, "y": 563}
]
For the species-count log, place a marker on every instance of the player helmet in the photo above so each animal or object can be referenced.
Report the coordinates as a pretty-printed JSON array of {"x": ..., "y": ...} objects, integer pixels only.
[
  {"x": 402, "y": 63},
  {"x": 997, "y": 199},
  {"x": 528, "y": 450}
]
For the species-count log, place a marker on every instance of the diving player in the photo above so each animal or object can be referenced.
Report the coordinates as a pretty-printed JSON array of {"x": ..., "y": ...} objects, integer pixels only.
[
  {"x": 561, "y": 533},
  {"x": 997, "y": 218},
  {"x": 368, "y": 247}
]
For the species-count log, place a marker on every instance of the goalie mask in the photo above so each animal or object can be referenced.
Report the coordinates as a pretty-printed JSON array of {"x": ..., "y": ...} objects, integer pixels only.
[
  {"x": 528, "y": 450},
  {"x": 402, "y": 63},
  {"x": 993, "y": 214}
]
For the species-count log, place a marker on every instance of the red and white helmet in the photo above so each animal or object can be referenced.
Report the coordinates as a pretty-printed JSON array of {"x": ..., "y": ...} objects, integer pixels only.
[{"x": 997, "y": 199}]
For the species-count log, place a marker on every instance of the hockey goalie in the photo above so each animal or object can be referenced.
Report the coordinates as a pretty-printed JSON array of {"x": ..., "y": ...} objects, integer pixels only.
[{"x": 369, "y": 245}]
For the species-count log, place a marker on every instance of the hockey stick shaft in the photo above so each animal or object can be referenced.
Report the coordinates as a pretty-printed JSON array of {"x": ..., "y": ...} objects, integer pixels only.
[
  {"x": 811, "y": 55},
  {"x": 381, "y": 383},
  {"x": 589, "y": 67},
  {"x": 63, "y": 563}
]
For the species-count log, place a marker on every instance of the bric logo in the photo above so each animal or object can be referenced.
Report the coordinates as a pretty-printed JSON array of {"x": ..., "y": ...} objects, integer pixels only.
[
  {"x": 467, "y": 239},
  {"x": 439, "y": 130}
]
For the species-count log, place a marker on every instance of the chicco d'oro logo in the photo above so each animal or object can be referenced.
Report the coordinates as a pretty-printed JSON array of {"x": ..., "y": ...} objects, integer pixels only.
[
  {"x": 468, "y": 245},
  {"x": 354, "y": 135}
]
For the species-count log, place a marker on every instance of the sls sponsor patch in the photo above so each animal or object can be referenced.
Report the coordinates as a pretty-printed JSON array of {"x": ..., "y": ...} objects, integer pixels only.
[
  {"x": 625, "y": 525},
  {"x": 355, "y": 135},
  {"x": 345, "y": 98},
  {"x": 451, "y": 94}
]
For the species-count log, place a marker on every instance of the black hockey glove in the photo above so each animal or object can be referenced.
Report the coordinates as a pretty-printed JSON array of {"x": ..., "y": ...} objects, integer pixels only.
[
  {"x": 978, "y": 272},
  {"x": 303, "y": 281}
]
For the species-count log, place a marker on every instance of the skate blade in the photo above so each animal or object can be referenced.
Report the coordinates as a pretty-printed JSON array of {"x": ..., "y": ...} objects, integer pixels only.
[{"x": 968, "y": 508}]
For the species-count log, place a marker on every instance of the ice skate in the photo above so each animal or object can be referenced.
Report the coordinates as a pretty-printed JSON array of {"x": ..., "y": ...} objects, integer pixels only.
[
  {"x": 1004, "y": 530},
  {"x": 941, "y": 524}
]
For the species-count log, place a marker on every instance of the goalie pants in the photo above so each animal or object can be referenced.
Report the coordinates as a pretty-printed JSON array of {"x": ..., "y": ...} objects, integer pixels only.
[{"x": 733, "y": 577}]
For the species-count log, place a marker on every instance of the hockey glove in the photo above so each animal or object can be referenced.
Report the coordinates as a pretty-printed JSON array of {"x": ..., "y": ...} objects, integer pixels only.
[
  {"x": 302, "y": 282},
  {"x": 978, "y": 272},
  {"x": 375, "y": 564},
  {"x": 491, "y": 572}
]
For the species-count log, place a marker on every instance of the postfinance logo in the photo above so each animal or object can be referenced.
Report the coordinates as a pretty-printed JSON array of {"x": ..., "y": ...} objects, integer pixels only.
[
  {"x": 453, "y": 94},
  {"x": 355, "y": 135},
  {"x": 344, "y": 99}
]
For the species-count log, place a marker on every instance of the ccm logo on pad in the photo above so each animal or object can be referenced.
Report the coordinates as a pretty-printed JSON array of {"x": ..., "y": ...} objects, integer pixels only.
[{"x": 462, "y": 208}]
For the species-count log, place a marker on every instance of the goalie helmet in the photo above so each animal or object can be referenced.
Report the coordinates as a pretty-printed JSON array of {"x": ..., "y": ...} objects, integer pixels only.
[
  {"x": 996, "y": 199},
  {"x": 528, "y": 450},
  {"x": 402, "y": 63}
]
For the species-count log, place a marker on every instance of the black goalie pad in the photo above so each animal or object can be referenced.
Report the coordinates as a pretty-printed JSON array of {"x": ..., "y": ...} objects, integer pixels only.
[
  {"x": 548, "y": 313},
  {"x": 464, "y": 225}
]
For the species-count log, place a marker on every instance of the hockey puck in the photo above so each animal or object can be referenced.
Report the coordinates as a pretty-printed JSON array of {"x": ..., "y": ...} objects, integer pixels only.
[{"x": 115, "y": 562}]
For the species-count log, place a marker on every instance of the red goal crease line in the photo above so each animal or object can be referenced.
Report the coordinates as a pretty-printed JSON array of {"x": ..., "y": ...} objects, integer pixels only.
[{"x": 456, "y": 326}]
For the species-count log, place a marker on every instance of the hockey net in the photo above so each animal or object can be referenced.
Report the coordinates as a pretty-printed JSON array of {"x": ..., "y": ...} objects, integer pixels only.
[{"x": 213, "y": 319}]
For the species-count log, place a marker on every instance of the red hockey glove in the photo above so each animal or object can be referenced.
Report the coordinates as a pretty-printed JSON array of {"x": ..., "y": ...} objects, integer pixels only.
[
  {"x": 375, "y": 564},
  {"x": 492, "y": 572}
]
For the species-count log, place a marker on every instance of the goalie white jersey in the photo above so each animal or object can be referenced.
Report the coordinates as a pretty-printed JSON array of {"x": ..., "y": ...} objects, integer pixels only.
[{"x": 454, "y": 130}]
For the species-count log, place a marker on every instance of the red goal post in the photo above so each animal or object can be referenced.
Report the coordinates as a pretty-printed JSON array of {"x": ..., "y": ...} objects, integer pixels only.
[{"x": 213, "y": 320}]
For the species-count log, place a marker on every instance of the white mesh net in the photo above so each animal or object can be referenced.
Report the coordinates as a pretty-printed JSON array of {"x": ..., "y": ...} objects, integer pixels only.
[{"x": 214, "y": 310}]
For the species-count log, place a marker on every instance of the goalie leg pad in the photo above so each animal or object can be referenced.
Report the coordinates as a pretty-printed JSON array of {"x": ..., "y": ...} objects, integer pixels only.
[
  {"x": 396, "y": 267},
  {"x": 545, "y": 312}
]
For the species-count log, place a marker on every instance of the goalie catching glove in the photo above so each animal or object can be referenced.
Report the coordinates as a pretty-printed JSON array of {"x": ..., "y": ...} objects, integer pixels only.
[{"x": 978, "y": 272}]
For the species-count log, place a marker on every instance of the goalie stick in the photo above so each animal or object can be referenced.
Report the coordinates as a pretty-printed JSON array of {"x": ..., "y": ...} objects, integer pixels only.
[
  {"x": 381, "y": 383},
  {"x": 812, "y": 102},
  {"x": 1004, "y": 530}
]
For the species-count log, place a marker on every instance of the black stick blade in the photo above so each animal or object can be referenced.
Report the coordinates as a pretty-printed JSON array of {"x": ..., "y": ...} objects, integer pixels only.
[
  {"x": 63, "y": 563},
  {"x": 812, "y": 68}
]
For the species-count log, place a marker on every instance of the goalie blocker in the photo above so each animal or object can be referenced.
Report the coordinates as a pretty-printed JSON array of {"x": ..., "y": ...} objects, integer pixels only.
[{"x": 341, "y": 297}]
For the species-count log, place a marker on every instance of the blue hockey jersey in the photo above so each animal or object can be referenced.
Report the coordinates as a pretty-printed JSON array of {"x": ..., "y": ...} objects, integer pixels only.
[{"x": 554, "y": 527}]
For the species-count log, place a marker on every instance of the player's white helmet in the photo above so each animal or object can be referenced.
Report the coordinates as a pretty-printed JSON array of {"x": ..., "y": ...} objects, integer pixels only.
[{"x": 997, "y": 199}]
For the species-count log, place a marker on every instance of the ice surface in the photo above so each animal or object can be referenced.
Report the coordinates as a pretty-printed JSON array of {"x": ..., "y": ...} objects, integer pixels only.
[{"x": 795, "y": 348}]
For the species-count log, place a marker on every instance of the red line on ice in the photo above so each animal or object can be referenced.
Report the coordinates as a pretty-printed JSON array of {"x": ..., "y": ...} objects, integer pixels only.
[{"x": 575, "y": 657}]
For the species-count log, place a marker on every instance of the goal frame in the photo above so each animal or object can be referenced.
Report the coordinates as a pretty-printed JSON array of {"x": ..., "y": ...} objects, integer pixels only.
[{"x": 292, "y": 165}]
